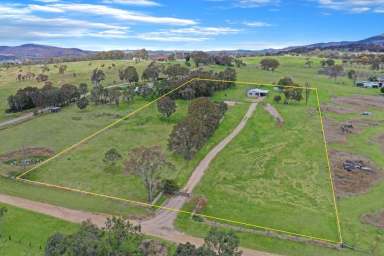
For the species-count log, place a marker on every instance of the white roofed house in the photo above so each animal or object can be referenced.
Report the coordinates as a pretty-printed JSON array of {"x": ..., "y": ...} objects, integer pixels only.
[{"x": 257, "y": 92}]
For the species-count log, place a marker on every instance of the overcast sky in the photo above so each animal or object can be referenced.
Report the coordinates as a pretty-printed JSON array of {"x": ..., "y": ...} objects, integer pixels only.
[{"x": 187, "y": 24}]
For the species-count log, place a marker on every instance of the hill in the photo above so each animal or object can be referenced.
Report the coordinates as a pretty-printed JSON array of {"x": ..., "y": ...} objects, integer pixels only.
[
  {"x": 36, "y": 51},
  {"x": 374, "y": 43}
]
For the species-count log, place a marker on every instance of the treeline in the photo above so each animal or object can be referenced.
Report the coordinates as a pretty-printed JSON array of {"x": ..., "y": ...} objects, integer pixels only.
[
  {"x": 204, "y": 58},
  {"x": 48, "y": 95},
  {"x": 213, "y": 81},
  {"x": 119, "y": 237},
  {"x": 190, "y": 135}
]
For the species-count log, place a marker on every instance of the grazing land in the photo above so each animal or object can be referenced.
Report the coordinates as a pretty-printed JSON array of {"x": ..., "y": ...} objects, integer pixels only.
[
  {"x": 26, "y": 233},
  {"x": 275, "y": 175}
]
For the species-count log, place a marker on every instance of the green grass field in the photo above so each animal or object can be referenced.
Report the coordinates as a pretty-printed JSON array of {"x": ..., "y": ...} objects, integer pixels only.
[
  {"x": 281, "y": 172},
  {"x": 26, "y": 233}
]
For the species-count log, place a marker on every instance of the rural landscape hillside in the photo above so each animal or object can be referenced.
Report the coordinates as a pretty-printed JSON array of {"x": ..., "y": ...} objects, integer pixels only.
[{"x": 130, "y": 129}]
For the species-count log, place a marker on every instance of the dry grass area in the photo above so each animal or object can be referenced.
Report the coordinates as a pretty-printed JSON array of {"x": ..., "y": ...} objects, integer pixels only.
[
  {"x": 353, "y": 104},
  {"x": 353, "y": 182},
  {"x": 375, "y": 219},
  {"x": 25, "y": 153},
  {"x": 335, "y": 133}
]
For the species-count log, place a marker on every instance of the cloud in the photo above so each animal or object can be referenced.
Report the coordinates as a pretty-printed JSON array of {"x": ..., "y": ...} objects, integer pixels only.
[
  {"x": 121, "y": 14},
  {"x": 190, "y": 34},
  {"x": 133, "y": 2},
  {"x": 353, "y": 6},
  {"x": 256, "y": 24},
  {"x": 256, "y": 3}
]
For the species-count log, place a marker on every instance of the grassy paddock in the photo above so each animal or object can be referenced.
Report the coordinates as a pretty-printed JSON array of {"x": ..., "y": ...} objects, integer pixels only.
[{"x": 26, "y": 233}]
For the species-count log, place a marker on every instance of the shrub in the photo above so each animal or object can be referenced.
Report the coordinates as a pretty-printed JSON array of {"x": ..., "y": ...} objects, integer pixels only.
[
  {"x": 170, "y": 187},
  {"x": 382, "y": 90},
  {"x": 277, "y": 98}
]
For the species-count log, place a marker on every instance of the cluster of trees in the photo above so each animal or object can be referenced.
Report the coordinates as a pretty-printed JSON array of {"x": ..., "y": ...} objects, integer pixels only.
[
  {"x": 189, "y": 135},
  {"x": 291, "y": 91},
  {"x": 119, "y": 237},
  {"x": 216, "y": 243},
  {"x": 203, "y": 58},
  {"x": 26, "y": 76},
  {"x": 203, "y": 88},
  {"x": 331, "y": 69},
  {"x": 48, "y": 95}
]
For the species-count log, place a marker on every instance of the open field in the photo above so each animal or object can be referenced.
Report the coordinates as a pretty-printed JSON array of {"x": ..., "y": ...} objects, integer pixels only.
[
  {"x": 294, "y": 194},
  {"x": 25, "y": 233}
]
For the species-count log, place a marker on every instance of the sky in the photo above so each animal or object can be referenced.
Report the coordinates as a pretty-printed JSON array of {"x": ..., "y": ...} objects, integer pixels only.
[{"x": 187, "y": 24}]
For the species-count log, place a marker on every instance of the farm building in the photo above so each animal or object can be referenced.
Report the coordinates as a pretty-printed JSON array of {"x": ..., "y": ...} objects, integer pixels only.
[{"x": 257, "y": 92}]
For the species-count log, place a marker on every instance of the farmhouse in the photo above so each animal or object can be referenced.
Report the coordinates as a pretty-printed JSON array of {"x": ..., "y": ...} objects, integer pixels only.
[{"x": 256, "y": 92}]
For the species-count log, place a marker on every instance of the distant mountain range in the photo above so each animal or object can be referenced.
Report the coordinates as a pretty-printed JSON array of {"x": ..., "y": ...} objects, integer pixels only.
[
  {"x": 375, "y": 43},
  {"x": 35, "y": 51}
]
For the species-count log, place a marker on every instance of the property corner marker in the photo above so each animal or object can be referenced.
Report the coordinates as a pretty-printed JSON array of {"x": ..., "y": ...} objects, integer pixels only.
[{"x": 66, "y": 150}]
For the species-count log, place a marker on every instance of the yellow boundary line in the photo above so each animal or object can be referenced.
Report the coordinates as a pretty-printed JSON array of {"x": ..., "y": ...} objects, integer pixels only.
[
  {"x": 329, "y": 169},
  {"x": 20, "y": 177}
]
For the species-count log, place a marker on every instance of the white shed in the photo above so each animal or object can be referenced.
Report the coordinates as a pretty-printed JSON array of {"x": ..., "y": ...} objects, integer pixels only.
[{"x": 257, "y": 92}]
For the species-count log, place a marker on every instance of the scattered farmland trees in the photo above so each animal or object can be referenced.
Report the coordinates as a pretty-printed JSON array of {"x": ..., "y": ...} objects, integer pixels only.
[
  {"x": 269, "y": 64},
  {"x": 82, "y": 103},
  {"x": 147, "y": 163},
  {"x": 166, "y": 106}
]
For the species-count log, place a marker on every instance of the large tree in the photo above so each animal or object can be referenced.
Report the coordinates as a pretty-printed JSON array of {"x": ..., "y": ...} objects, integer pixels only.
[
  {"x": 166, "y": 106},
  {"x": 269, "y": 64},
  {"x": 97, "y": 76},
  {"x": 148, "y": 163},
  {"x": 129, "y": 74},
  {"x": 152, "y": 72}
]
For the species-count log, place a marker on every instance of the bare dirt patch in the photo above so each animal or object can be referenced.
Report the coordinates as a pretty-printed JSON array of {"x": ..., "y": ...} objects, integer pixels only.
[
  {"x": 14, "y": 157},
  {"x": 337, "y": 132},
  {"x": 375, "y": 219},
  {"x": 353, "y": 104},
  {"x": 355, "y": 181}
]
